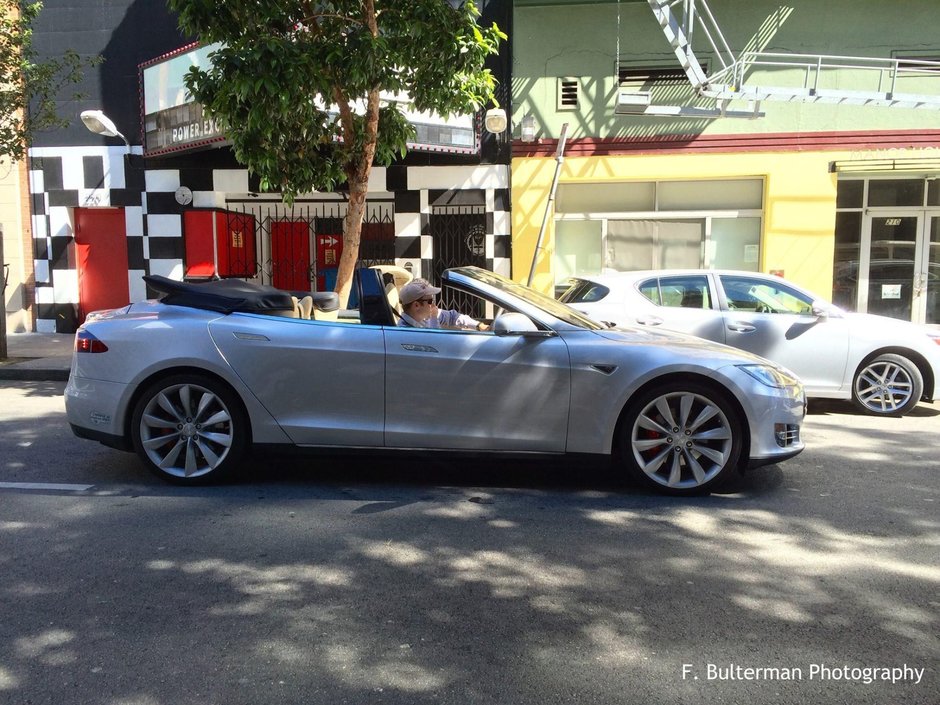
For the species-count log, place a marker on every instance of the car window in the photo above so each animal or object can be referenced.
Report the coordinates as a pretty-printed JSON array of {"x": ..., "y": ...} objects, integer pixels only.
[
  {"x": 689, "y": 291},
  {"x": 650, "y": 289},
  {"x": 761, "y": 296},
  {"x": 581, "y": 291}
]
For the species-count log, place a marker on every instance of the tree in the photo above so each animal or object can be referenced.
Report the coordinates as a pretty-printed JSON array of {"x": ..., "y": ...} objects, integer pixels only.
[{"x": 298, "y": 85}]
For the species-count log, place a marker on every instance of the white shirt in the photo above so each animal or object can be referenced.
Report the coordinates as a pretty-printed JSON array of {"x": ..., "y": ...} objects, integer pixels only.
[{"x": 444, "y": 319}]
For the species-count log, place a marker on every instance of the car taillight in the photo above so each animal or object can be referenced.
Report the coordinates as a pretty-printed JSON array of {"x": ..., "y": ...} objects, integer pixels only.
[{"x": 85, "y": 342}]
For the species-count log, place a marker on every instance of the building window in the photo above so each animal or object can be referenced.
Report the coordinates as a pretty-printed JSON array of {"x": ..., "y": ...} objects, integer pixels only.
[{"x": 657, "y": 225}]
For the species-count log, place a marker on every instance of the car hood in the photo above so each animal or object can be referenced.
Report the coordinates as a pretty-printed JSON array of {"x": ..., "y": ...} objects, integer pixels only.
[{"x": 690, "y": 344}]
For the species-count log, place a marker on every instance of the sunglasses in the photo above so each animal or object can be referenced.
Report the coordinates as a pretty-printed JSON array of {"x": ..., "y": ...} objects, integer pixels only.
[{"x": 424, "y": 301}]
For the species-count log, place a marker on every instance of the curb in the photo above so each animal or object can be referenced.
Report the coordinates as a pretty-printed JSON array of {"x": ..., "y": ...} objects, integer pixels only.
[{"x": 33, "y": 375}]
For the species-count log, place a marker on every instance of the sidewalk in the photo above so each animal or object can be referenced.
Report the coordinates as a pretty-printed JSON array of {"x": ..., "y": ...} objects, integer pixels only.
[{"x": 37, "y": 357}]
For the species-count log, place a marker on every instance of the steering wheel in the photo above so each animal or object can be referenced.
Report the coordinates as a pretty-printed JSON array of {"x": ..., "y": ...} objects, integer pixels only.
[{"x": 763, "y": 308}]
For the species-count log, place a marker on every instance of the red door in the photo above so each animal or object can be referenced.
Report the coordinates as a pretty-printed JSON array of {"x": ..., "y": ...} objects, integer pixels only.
[
  {"x": 101, "y": 251},
  {"x": 290, "y": 255}
]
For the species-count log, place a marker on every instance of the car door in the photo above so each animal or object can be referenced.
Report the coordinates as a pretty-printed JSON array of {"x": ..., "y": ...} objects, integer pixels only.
[
  {"x": 323, "y": 382},
  {"x": 766, "y": 317},
  {"x": 475, "y": 390},
  {"x": 681, "y": 302}
]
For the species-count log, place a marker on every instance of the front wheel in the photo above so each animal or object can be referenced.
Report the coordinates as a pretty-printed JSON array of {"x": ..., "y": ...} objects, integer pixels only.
[
  {"x": 682, "y": 438},
  {"x": 189, "y": 429},
  {"x": 889, "y": 385}
]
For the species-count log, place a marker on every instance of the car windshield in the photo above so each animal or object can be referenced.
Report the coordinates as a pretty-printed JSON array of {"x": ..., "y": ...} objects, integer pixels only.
[{"x": 530, "y": 296}]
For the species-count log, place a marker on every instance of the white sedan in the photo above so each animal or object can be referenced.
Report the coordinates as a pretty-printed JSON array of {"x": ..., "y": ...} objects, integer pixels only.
[{"x": 885, "y": 365}]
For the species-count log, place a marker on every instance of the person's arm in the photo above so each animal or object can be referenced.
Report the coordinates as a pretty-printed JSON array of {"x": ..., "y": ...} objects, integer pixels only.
[{"x": 454, "y": 319}]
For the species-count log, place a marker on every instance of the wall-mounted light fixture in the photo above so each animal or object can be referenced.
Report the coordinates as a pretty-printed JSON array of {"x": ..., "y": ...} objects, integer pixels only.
[
  {"x": 495, "y": 121},
  {"x": 529, "y": 128},
  {"x": 101, "y": 124}
]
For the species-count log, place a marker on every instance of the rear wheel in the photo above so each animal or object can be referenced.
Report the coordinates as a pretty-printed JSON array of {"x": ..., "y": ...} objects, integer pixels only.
[
  {"x": 682, "y": 438},
  {"x": 889, "y": 385},
  {"x": 189, "y": 429}
]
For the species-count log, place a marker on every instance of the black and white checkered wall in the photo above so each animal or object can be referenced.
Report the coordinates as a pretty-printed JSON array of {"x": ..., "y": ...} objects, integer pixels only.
[{"x": 64, "y": 178}]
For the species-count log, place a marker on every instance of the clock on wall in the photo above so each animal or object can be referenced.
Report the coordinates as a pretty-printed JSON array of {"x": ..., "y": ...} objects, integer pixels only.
[{"x": 184, "y": 195}]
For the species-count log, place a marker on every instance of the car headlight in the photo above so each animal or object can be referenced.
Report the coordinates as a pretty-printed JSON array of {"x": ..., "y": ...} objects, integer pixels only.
[{"x": 770, "y": 376}]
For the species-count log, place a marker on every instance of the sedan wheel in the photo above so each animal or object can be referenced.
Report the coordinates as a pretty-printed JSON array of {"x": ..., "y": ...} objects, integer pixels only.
[
  {"x": 189, "y": 429},
  {"x": 889, "y": 385},
  {"x": 683, "y": 438}
]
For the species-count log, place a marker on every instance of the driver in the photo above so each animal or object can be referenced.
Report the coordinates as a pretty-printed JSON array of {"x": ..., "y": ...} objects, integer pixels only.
[{"x": 420, "y": 311}]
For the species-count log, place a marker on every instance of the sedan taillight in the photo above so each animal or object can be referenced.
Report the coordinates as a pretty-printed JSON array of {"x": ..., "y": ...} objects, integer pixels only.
[{"x": 85, "y": 342}]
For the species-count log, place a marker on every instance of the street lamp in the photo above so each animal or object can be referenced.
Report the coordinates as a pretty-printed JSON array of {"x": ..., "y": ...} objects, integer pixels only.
[{"x": 101, "y": 124}]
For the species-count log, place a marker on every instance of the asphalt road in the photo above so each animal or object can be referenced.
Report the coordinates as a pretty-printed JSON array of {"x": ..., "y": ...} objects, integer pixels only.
[{"x": 345, "y": 579}]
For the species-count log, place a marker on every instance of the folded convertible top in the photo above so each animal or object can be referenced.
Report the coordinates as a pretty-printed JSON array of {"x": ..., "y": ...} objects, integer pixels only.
[{"x": 224, "y": 295}]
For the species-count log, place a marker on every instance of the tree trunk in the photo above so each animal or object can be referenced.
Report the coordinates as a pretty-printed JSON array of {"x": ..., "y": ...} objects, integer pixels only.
[
  {"x": 352, "y": 231},
  {"x": 357, "y": 176}
]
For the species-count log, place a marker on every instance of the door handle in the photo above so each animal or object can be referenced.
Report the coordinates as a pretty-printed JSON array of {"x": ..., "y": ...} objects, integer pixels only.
[
  {"x": 741, "y": 327},
  {"x": 649, "y": 320}
]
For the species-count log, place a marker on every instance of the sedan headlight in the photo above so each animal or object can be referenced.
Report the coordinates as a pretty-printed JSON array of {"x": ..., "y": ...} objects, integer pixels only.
[{"x": 771, "y": 376}]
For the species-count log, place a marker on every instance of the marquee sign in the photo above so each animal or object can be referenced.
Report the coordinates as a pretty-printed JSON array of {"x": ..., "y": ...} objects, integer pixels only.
[{"x": 173, "y": 122}]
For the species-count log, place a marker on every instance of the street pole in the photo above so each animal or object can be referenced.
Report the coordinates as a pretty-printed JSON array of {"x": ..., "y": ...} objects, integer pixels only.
[
  {"x": 559, "y": 160},
  {"x": 3, "y": 301}
]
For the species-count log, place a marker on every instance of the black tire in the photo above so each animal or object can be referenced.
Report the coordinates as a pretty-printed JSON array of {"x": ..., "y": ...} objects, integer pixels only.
[
  {"x": 190, "y": 429},
  {"x": 888, "y": 385},
  {"x": 695, "y": 450}
]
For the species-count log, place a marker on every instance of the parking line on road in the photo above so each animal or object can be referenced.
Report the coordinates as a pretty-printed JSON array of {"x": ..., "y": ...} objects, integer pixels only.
[{"x": 43, "y": 486}]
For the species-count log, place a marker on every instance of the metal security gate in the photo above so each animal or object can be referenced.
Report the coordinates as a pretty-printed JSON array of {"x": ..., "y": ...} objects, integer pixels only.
[
  {"x": 299, "y": 246},
  {"x": 459, "y": 240}
]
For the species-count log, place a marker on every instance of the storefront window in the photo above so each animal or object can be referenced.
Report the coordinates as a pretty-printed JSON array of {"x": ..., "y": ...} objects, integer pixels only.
[
  {"x": 896, "y": 192},
  {"x": 578, "y": 248},
  {"x": 620, "y": 197},
  {"x": 733, "y": 194},
  {"x": 735, "y": 244},
  {"x": 850, "y": 194},
  {"x": 846, "y": 259},
  {"x": 654, "y": 244}
]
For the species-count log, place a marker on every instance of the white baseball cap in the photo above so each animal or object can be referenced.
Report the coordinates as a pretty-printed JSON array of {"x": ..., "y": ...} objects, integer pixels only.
[{"x": 415, "y": 289}]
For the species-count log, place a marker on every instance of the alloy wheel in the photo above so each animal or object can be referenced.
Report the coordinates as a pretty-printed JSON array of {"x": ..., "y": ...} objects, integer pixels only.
[
  {"x": 682, "y": 440},
  {"x": 884, "y": 387},
  {"x": 186, "y": 430}
]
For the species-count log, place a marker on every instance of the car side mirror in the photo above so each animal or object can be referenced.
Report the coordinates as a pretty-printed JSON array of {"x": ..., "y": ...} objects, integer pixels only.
[
  {"x": 518, "y": 324},
  {"x": 821, "y": 310}
]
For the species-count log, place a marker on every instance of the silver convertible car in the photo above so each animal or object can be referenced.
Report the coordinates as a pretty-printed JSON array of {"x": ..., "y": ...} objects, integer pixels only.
[
  {"x": 195, "y": 380},
  {"x": 885, "y": 365}
]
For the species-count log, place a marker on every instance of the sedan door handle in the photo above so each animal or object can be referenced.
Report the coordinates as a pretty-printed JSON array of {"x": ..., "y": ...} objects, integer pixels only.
[
  {"x": 649, "y": 320},
  {"x": 741, "y": 327}
]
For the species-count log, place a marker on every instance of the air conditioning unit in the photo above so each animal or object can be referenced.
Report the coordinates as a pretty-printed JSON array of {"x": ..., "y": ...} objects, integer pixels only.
[{"x": 631, "y": 102}]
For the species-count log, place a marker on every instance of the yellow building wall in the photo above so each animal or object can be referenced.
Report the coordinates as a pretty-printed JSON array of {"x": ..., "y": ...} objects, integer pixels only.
[{"x": 799, "y": 204}]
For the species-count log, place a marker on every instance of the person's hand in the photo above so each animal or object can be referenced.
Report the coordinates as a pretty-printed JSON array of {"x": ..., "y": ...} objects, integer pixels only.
[{"x": 434, "y": 310}]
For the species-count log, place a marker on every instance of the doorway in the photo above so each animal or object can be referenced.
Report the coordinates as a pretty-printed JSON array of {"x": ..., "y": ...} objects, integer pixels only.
[
  {"x": 101, "y": 254},
  {"x": 899, "y": 270}
]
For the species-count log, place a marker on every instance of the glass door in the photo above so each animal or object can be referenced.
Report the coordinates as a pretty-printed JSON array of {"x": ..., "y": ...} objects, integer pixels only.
[
  {"x": 929, "y": 284},
  {"x": 893, "y": 265}
]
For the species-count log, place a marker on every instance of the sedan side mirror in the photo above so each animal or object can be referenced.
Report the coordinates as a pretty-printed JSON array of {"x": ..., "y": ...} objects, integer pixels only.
[
  {"x": 821, "y": 310},
  {"x": 518, "y": 324}
]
